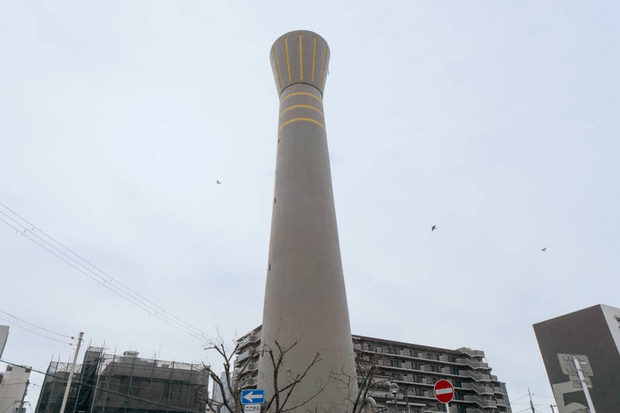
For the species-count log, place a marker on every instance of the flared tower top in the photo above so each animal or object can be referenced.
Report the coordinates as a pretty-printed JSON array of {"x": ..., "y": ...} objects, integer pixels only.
[{"x": 300, "y": 56}]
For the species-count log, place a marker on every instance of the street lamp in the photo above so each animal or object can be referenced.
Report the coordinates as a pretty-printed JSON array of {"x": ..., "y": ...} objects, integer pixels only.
[{"x": 394, "y": 389}]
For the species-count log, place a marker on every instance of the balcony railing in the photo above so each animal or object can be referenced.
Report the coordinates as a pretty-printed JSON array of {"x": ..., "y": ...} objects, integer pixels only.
[
  {"x": 470, "y": 352},
  {"x": 474, "y": 375},
  {"x": 481, "y": 402},
  {"x": 477, "y": 388},
  {"x": 472, "y": 364}
]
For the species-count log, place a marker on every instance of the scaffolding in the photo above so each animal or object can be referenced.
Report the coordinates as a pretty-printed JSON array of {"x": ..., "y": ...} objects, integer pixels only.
[
  {"x": 53, "y": 389},
  {"x": 126, "y": 384}
]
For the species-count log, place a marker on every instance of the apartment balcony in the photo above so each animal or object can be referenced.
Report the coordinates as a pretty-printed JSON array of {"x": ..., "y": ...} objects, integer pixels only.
[
  {"x": 244, "y": 355},
  {"x": 474, "y": 411},
  {"x": 480, "y": 401},
  {"x": 477, "y": 388},
  {"x": 470, "y": 352},
  {"x": 472, "y": 364},
  {"x": 503, "y": 402},
  {"x": 252, "y": 367},
  {"x": 474, "y": 375}
]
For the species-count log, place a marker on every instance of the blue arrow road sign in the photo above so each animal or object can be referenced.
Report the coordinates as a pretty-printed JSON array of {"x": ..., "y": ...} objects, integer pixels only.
[{"x": 253, "y": 396}]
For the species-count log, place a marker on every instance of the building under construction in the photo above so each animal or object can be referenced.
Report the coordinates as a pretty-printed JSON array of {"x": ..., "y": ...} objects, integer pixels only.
[{"x": 106, "y": 383}]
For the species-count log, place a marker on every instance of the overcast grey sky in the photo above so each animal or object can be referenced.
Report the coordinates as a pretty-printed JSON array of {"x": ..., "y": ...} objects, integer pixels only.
[{"x": 496, "y": 121}]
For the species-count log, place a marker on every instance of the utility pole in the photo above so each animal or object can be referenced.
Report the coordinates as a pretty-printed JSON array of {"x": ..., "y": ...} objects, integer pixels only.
[
  {"x": 552, "y": 411},
  {"x": 531, "y": 402},
  {"x": 77, "y": 350}
]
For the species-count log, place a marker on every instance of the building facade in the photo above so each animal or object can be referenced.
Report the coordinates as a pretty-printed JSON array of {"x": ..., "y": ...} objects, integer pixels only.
[
  {"x": 219, "y": 396},
  {"x": 125, "y": 384},
  {"x": 13, "y": 387},
  {"x": 414, "y": 368},
  {"x": 586, "y": 343},
  {"x": 4, "y": 334},
  {"x": 13, "y": 382}
]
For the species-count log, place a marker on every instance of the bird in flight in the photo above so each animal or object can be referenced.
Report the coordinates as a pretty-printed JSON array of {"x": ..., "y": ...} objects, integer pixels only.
[
  {"x": 543, "y": 249},
  {"x": 218, "y": 182},
  {"x": 433, "y": 228}
]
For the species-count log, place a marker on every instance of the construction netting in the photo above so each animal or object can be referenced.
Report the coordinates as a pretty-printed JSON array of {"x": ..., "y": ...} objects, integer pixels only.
[{"x": 107, "y": 383}]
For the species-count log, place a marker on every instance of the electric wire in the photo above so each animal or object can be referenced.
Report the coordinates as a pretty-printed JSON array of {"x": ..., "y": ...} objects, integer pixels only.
[
  {"x": 71, "y": 258},
  {"x": 34, "y": 325},
  {"x": 99, "y": 282},
  {"x": 89, "y": 264},
  {"x": 34, "y": 332},
  {"x": 516, "y": 400}
]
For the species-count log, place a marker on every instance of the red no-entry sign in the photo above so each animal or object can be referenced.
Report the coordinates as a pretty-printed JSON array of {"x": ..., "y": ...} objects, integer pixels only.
[{"x": 444, "y": 392}]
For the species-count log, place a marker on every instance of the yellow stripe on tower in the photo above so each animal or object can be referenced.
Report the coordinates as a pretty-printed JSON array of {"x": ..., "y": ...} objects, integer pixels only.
[
  {"x": 301, "y": 106},
  {"x": 301, "y": 120},
  {"x": 301, "y": 60},
  {"x": 324, "y": 63},
  {"x": 314, "y": 59},
  {"x": 300, "y": 93},
  {"x": 275, "y": 59},
  {"x": 288, "y": 65}
]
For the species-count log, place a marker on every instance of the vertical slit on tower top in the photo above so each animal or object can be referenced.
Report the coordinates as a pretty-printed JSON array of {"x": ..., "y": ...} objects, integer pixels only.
[
  {"x": 301, "y": 59},
  {"x": 288, "y": 65},
  {"x": 314, "y": 59}
]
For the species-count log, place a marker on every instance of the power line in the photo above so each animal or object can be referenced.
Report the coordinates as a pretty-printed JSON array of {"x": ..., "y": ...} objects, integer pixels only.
[
  {"x": 34, "y": 325},
  {"x": 34, "y": 332},
  {"x": 522, "y": 397},
  {"x": 542, "y": 395},
  {"x": 102, "y": 278}
]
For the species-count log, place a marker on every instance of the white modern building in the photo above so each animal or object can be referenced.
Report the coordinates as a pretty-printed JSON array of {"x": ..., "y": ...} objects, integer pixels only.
[
  {"x": 13, "y": 388},
  {"x": 4, "y": 334}
]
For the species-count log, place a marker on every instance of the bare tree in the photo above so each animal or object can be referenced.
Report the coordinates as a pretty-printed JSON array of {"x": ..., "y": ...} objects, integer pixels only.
[
  {"x": 231, "y": 387},
  {"x": 367, "y": 382},
  {"x": 282, "y": 393}
]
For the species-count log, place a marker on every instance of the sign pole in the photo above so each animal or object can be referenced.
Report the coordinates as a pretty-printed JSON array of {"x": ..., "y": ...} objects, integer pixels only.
[
  {"x": 447, "y": 408},
  {"x": 584, "y": 386}
]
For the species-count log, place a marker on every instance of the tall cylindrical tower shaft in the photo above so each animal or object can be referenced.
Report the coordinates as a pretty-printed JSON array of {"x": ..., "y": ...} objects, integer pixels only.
[{"x": 305, "y": 299}]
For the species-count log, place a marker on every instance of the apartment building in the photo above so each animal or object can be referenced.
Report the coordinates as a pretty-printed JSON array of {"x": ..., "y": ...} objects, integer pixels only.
[{"x": 414, "y": 368}]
